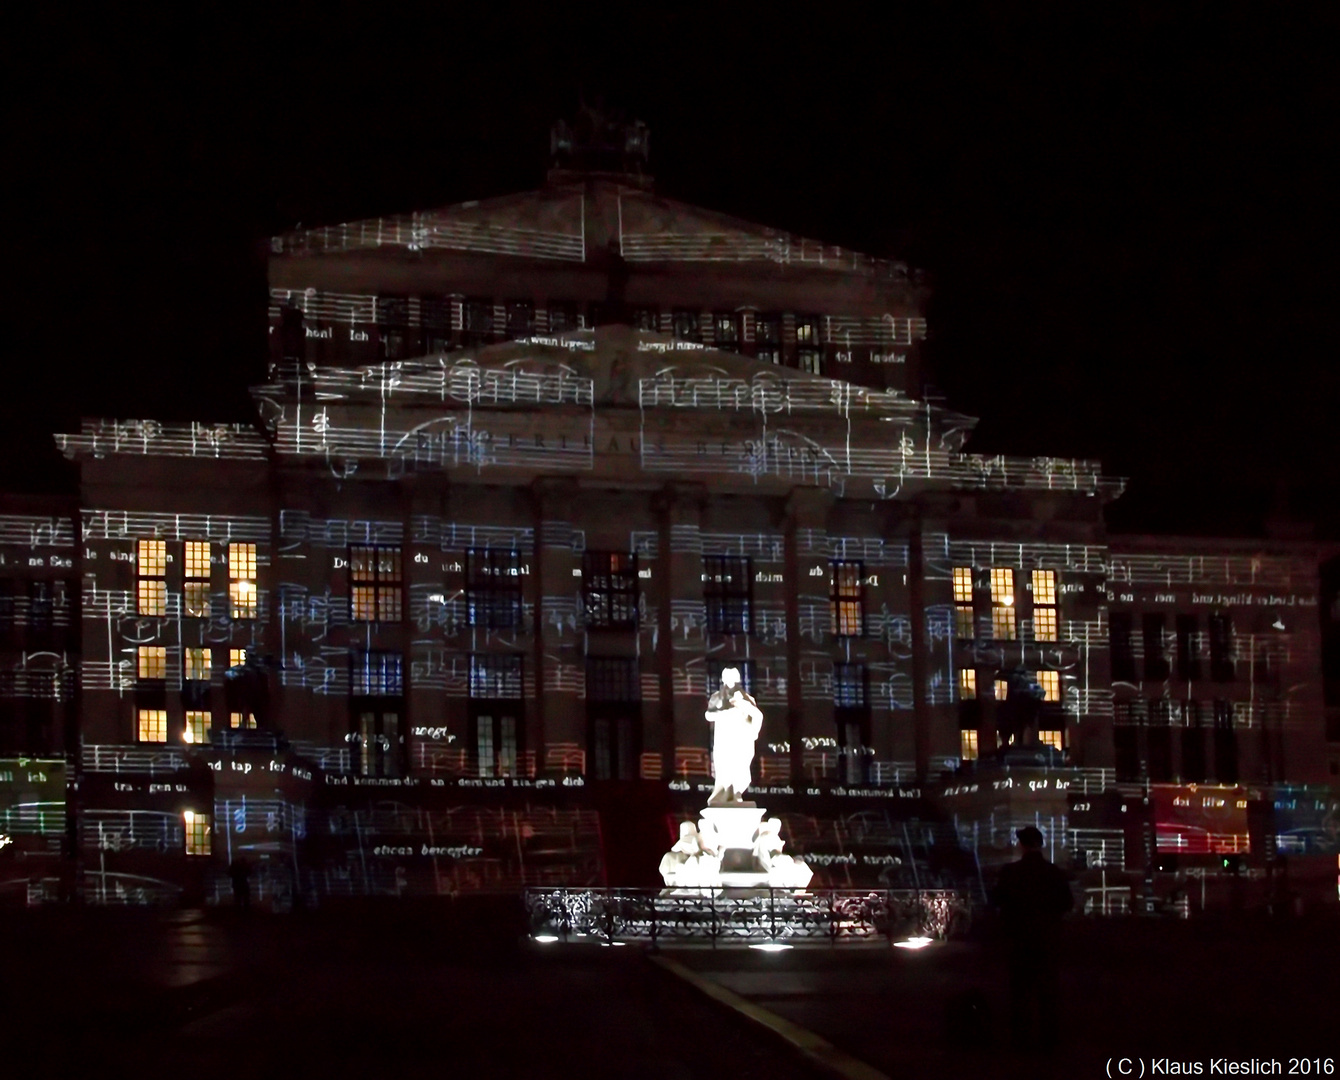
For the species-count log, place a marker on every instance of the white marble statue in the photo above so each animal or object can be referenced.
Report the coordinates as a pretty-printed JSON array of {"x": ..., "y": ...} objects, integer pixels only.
[
  {"x": 695, "y": 860},
  {"x": 736, "y": 721},
  {"x": 783, "y": 871}
]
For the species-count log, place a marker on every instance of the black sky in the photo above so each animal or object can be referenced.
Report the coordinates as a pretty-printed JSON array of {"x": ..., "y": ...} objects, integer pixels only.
[{"x": 1129, "y": 215}]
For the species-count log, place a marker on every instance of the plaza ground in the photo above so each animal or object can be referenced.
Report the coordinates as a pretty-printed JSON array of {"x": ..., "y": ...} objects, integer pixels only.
[{"x": 455, "y": 990}]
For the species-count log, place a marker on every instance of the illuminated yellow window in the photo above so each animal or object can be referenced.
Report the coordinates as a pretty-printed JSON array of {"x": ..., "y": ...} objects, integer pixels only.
[
  {"x": 1052, "y": 739},
  {"x": 1044, "y": 623},
  {"x": 964, "y": 623},
  {"x": 151, "y": 725},
  {"x": 151, "y": 571},
  {"x": 197, "y": 827},
  {"x": 1044, "y": 587},
  {"x": 1050, "y": 681},
  {"x": 242, "y": 580},
  {"x": 963, "y": 585},
  {"x": 1002, "y": 603},
  {"x": 238, "y": 721},
  {"x": 846, "y": 599},
  {"x": 1000, "y": 689},
  {"x": 375, "y": 576},
  {"x": 967, "y": 684},
  {"x": 197, "y": 728},
  {"x": 237, "y": 657},
  {"x": 198, "y": 665},
  {"x": 196, "y": 584},
  {"x": 967, "y": 744},
  {"x": 1046, "y": 618},
  {"x": 152, "y": 662}
]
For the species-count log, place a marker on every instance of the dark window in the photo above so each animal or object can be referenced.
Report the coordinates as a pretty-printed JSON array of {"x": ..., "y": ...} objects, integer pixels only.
[
  {"x": 768, "y": 338},
  {"x": 851, "y": 686},
  {"x": 495, "y": 714},
  {"x": 609, "y": 587},
  {"x": 493, "y": 589},
  {"x": 614, "y": 718},
  {"x": 377, "y": 674},
  {"x": 292, "y": 334},
  {"x": 851, "y": 712},
  {"x": 612, "y": 679},
  {"x": 727, "y": 593},
  {"x": 393, "y": 330},
  {"x": 1188, "y": 663},
  {"x": 744, "y": 667},
  {"x": 1221, "y": 648},
  {"x": 374, "y": 584},
  {"x": 477, "y": 320},
  {"x": 1156, "y": 664},
  {"x": 1126, "y": 742},
  {"x": 1160, "y": 754},
  {"x": 562, "y": 317},
  {"x": 1193, "y": 744},
  {"x": 520, "y": 318},
  {"x": 495, "y": 677},
  {"x": 435, "y": 318},
  {"x": 684, "y": 324},
  {"x": 1123, "y": 656},
  {"x": 1225, "y": 744},
  {"x": 648, "y": 319},
  {"x": 376, "y": 689},
  {"x": 846, "y": 599},
  {"x": 40, "y": 605},
  {"x": 726, "y": 330}
]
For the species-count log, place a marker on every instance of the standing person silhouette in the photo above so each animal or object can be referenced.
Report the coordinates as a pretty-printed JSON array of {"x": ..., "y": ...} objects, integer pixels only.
[{"x": 1032, "y": 895}]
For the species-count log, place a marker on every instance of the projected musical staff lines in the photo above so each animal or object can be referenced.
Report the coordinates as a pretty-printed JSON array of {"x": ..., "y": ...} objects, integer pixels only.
[
  {"x": 154, "y": 438},
  {"x": 461, "y": 380},
  {"x": 435, "y": 229},
  {"x": 29, "y": 531},
  {"x": 1232, "y": 570},
  {"x": 942, "y": 553},
  {"x": 128, "y": 525}
]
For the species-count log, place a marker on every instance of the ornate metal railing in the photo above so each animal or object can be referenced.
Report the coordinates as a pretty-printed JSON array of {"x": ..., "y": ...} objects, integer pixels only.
[{"x": 685, "y": 916}]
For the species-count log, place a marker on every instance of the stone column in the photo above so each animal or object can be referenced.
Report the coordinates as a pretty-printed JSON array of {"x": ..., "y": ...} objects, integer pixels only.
[{"x": 679, "y": 605}]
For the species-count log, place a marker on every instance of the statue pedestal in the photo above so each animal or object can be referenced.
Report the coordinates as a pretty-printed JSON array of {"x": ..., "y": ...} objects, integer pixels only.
[{"x": 736, "y": 828}]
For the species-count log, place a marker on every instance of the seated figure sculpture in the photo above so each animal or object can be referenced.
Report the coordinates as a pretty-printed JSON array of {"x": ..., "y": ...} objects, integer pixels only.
[
  {"x": 783, "y": 871},
  {"x": 695, "y": 860},
  {"x": 736, "y": 722}
]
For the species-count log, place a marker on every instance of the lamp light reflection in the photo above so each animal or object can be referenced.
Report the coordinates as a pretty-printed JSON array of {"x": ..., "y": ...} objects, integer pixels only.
[{"x": 913, "y": 943}]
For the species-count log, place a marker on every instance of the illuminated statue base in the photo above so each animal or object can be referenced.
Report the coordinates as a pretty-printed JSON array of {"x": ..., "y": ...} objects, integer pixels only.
[{"x": 732, "y": 847}]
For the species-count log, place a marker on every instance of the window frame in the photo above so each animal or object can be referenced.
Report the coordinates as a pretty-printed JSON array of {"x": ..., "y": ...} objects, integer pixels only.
[
  {"x": 151, "y": 588},
  {"x": 840, "y": 601},
  {"x": 493, "y": 598},
  {"x": 612, "y": 602},
  {"x": 243, "y": 594},
  {"x": 379, "y": 597},
  {"x": 728, "y": 594}
]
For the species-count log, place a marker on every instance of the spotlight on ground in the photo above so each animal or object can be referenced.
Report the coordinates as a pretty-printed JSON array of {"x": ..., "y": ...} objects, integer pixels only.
[
  {"x": 770, "y": 946},
  {"x": 545, "y": 939},
  {"x": 913, "y": 943}
]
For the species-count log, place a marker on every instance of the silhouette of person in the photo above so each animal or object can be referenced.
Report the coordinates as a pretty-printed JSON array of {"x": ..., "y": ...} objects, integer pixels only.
[
  {"x": 1032, "y": 895},
  {"x": 240, "y": 871}
]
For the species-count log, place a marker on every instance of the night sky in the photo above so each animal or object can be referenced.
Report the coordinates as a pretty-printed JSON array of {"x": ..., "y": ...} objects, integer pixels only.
[{"x": 1129, "y": 217}]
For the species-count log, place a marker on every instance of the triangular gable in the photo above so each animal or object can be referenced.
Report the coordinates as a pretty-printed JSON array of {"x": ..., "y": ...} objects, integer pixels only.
[
  {"x": 544, "y": 224},
  {"x": 656, "y": 229}
]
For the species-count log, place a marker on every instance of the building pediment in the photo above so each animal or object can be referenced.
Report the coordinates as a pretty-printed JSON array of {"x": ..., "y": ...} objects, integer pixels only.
[{"x": 577, "y": 221}]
